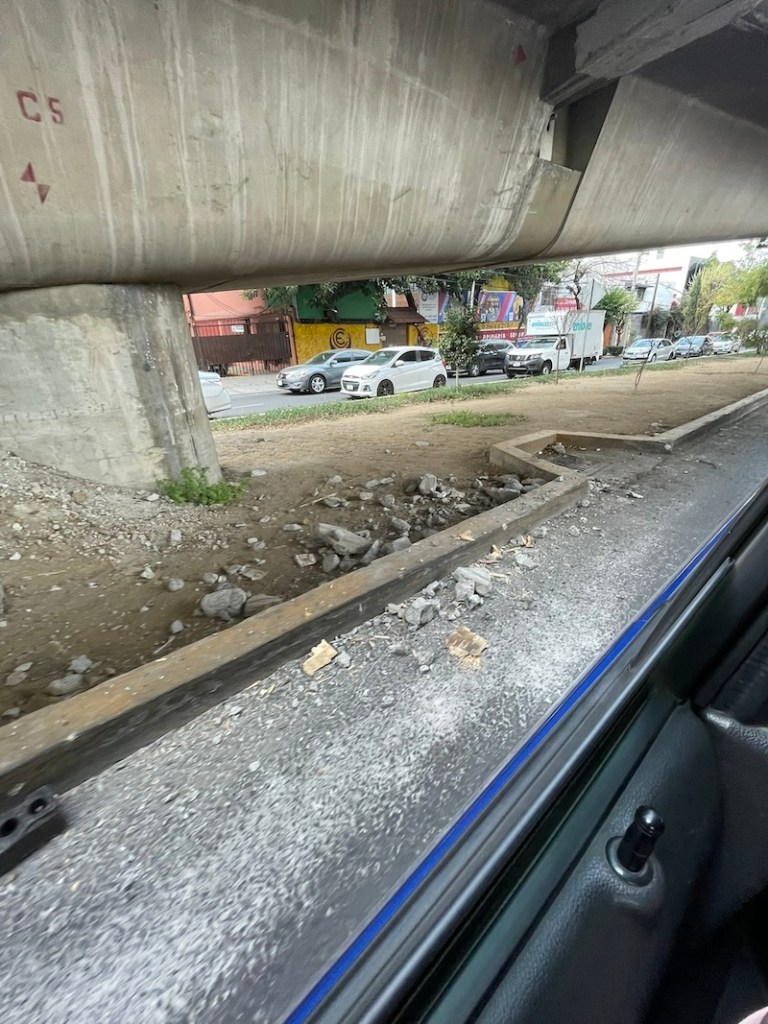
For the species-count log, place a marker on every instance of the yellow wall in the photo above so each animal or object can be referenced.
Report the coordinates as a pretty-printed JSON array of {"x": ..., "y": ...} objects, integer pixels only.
[
  {"x": 422, "y": 334},
  {"x": 313, "y": 338}
]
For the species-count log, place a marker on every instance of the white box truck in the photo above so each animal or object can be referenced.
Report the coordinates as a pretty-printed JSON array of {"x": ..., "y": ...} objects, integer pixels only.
[{"x": 557, "y": 341}]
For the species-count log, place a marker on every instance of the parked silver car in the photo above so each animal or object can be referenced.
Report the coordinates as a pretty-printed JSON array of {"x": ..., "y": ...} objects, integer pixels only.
[
  {"x": 649, "y": 350},
  {"x": 322, "y": 372}
]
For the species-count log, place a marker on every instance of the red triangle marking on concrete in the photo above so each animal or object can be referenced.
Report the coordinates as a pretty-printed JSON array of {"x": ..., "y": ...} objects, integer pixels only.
[
  {"x": 520, "y": 55},
  {"x": 29, "y": 174},
  {"x": 42, "y": 191}
]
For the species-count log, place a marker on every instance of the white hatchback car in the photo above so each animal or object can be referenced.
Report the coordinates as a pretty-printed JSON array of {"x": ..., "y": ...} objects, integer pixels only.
[
  {"x": 393, "y": 370},
  {"x": 215, "y": 397}
]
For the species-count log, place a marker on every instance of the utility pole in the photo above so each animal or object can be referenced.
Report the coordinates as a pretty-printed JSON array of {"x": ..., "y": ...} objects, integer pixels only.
[{"x": 653, "y": 304}]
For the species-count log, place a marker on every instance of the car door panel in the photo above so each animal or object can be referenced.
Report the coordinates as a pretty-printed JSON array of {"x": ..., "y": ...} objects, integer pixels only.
[{"x": 598, "y": 913}]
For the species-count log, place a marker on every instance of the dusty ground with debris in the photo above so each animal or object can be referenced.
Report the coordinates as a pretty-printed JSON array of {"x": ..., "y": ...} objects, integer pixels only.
[{"x": 94, "y": 563}]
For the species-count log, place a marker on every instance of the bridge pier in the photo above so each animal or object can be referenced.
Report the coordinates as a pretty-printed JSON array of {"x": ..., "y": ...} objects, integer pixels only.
[{"x": 100, "y": 381}]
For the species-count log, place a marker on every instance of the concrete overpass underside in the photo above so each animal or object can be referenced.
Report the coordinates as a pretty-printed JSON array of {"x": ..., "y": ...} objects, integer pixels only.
[{"x": 147, "y": 147}]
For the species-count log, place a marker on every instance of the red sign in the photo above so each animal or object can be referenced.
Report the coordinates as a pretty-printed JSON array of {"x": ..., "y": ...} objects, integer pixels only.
[
  {"x": 565, "y": 302},
  {"x": 501, "y": 333}
]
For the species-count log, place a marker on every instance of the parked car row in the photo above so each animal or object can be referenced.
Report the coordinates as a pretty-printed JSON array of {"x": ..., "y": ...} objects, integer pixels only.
[{"x": 654, "y": 350}]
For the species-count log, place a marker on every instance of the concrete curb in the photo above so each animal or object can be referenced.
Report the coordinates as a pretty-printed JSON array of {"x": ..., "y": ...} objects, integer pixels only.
[{"x": 62, "y": 744}]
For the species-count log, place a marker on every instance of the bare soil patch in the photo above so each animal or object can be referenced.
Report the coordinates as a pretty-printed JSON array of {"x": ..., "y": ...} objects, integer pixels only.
[{"x": 77, "y": 586}]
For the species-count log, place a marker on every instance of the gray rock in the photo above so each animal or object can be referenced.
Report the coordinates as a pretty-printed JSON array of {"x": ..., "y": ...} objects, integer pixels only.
[
  {"x": 387, "y": 501},
  {"x": 574, "y": 531},
  {"x": 11, "y": 713},
  {"x": 258, "y": 602},
  {"x": 463, "y": 590},
  {"x": 420, "y": 611},
  {"x": 332, "y": 501},
  {"x": 387, "y": 702},
  {"x": 210, "y": 578},
  {"x": 174, "y": 538},
  {"x": 26, "y": 666},
  {"x": 343, "y": 659},
  {"x": 395, "y": 609},
  {"x": 258, "y": 472},
  {"x": 508, "y": 480},
  {"x": 421, "y": 444},
  {"x": 370, "y": 484},
  {"x": 401, "y": 524},
  {"x": 334, "y": 481},
  {"x": 174, "y": 583},
  {"x": 223, "y": 604},
  {"x": 16, "y": 557},
  {"x": 153, "y": 497},
  {"x": 252, "y": 574},
  {"x": 256, "y": 544},
  {"x": 79, "y": 497},
  {"x": 558, "y": 448},
  {"x": 343, "y": 541},
  {"x": 365, "y": 495},
  {"x": 585, "y": 503},
  {"x": 423, "y": 657},
  {"x": 80, "y": 664},
  {"x": 399, "y": 544},
  {"x": 68, "y": 684},
  {"x": 479, "y": 578},
  {"x": 428, "y": 484},
  {"x": 147, "y": 573},
  {"x": 411, "y": 485},
  {"x": 15, "y": 678},
  {"x": 539, "y": 532},
  {"x": 474, "y": 601},
  {"x": 501, "y": 494},
  {"x": 386, "y": 481},
  {"x": 372, "y": 553},
  {"x": 525, "y": 559},
  {"x": 292, "y": 528},
  {"x": 176, "y": 627},
  {"x": 305, "y": 559},
  {"x": 330, "y": 561}
]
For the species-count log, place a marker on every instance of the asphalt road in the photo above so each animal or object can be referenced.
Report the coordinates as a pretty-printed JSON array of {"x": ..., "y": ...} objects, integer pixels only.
[
  {"x": 255, "y": 395},
  {"x": 212, "y": 875}
]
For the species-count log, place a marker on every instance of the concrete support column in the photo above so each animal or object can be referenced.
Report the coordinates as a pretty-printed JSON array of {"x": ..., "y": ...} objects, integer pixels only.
[{"x": 100, "y": 381}]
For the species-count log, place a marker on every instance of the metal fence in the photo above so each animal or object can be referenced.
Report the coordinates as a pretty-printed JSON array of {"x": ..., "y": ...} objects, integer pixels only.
[{"x": 265, "y": 349}]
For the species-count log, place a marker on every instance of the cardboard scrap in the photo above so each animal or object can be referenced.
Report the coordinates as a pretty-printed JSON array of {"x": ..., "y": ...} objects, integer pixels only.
[
  {"x": 322, "y": 655},
  {"x": 466, "y": 646}
]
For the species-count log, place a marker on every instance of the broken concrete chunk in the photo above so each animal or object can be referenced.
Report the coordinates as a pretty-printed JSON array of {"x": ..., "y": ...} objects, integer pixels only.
[
  {"x": 68, "y": 684},
  {"x": 526, "y": 559},
  {"x": 223, "y": 604},
  {"x": 479, "y": 578},
  {"x": 463, "y": 590},
  {"x": 428, "y": 484},
  {"x": 305, "y": 559},
  {"x": 330, "y": 561},
  {"x": 399, "y": 544},
  {"x": 420, "y": 611},
  {"x": 258, "y": 602},
  {"x": 343, "y": 541},
  {"x": 80, "y": 664}
]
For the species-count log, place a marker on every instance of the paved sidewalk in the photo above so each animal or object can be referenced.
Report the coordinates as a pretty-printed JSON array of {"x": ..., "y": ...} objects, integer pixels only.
[{"x": 210, "y": 876}]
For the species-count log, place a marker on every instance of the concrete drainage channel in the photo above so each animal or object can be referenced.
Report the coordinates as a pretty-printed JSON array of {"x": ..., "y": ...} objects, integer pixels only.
[{"x": 62, "y": 744}]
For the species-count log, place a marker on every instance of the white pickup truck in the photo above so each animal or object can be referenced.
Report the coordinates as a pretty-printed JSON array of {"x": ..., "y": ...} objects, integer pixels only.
[{"x": 546, "y": 347}]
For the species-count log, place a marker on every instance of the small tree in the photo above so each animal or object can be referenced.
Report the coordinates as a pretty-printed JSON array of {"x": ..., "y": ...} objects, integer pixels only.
[
  {"x": 458, "y": 336},
  {"x": 618, "y": 303}
]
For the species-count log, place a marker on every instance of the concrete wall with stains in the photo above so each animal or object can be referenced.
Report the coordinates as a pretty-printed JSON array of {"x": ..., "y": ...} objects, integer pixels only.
[{"x": 207, "y": 142}]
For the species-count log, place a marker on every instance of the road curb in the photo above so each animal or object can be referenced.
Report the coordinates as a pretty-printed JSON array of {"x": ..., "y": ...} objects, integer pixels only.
[{"x": 67, "y": 742}]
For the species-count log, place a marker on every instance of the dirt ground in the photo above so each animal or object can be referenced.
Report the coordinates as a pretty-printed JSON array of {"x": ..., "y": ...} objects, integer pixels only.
[{"x": 72, "y": 553}]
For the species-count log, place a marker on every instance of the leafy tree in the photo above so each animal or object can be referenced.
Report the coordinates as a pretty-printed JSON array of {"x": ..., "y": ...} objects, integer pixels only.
[
  {"x": 618, "y": 303},
  {"x": 458, "y": 336},
  {"x": 715, "y": 284}
]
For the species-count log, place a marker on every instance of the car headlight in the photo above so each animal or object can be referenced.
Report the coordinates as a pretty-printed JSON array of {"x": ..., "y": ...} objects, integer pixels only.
[{"x": 367, "y": 374}]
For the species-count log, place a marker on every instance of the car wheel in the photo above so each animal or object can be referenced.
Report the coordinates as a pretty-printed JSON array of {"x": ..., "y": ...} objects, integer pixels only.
[
  {"x": 385, "y": 388},
  {"x": 652, "y": 359},
  {"x": 317, "y": 384},
  {"x": 439, "y": 381},
  {"x": 474, "y": 370},
  {"x": 546, "y": 368},
  {"x": 510, "y": 375}
]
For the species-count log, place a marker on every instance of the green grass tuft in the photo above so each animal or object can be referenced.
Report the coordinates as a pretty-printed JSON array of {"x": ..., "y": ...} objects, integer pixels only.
[{"x": 194, "y": 488}]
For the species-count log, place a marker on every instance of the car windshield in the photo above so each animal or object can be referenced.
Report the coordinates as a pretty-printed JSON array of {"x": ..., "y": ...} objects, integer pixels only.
[
  {"x": 321, "y": 357},
  {"x": 535, "y": 343},
  {"x": 644, "y": 343},
  {"x": 380, "y": 358}
]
